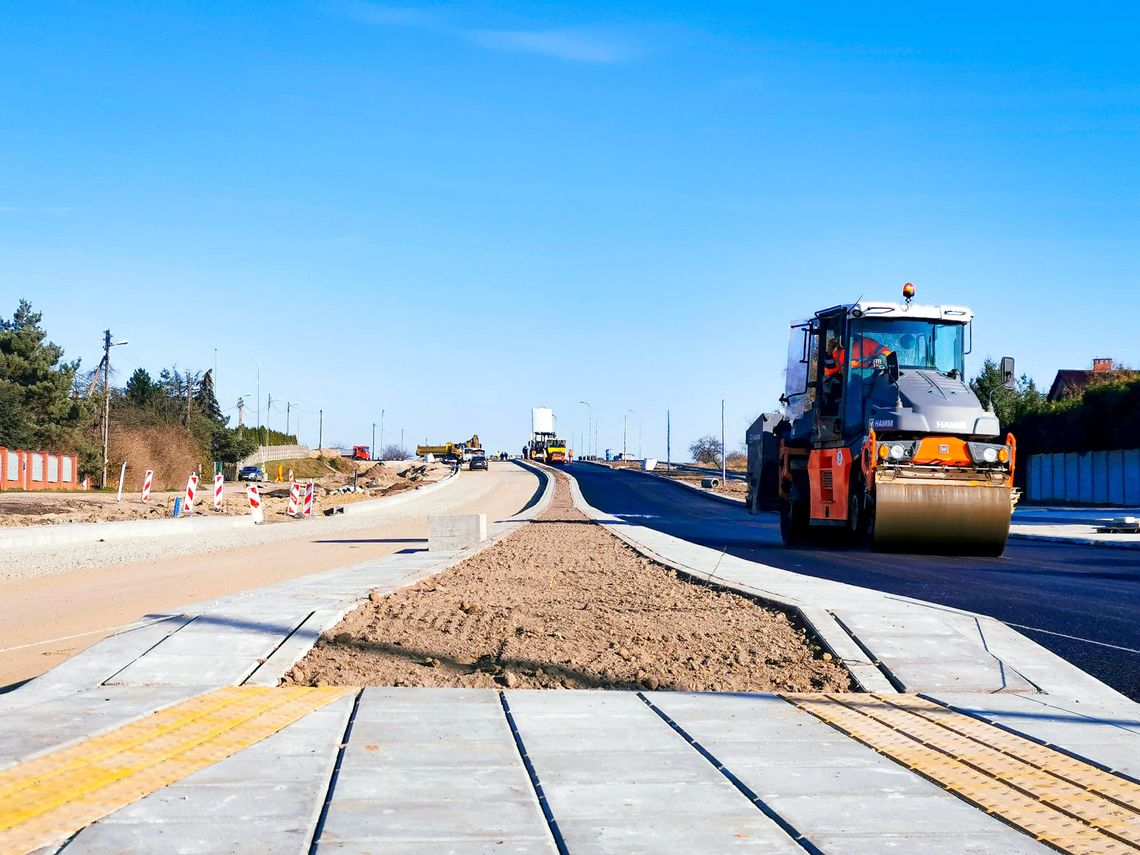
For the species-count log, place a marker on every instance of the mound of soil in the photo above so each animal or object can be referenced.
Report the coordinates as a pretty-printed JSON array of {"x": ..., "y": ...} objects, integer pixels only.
[{"x": 562, "y": 603}]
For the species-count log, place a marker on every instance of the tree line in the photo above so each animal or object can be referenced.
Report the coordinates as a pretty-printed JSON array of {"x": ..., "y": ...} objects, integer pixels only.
[{"x": 48, "y": 403}]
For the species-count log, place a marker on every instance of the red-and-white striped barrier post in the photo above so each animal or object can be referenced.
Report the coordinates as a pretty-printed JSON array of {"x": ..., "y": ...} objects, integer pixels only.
[
  {"x": 294, "y": 498},
  {"x": 219, "y": 481},
  {"x": 309, "y": 490},
  {"x": 191, "y": 489},
  {"x": 255, "y": 508},
  {"x": 148, "y": 481}
]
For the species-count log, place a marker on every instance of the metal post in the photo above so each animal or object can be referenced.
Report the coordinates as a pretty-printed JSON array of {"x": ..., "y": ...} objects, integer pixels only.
[
  {"x": 320, "y": 429},
  {"x": 106, "y": 401},
  {"x": 723, "y": 450},
  {"x": 624, "y": 432},
  {"x": 259, "y": 402},
  {"x": 268, "y": 411},
  {"x": 668, "y": 442},
  {"x": 589, "y": 427},
  {"x": 374, "y": 440},
  {"x": 122, "y": 475},
  {"x": 381, "y": 430}
]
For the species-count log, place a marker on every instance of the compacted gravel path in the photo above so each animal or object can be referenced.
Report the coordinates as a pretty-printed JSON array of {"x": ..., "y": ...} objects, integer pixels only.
[{"x": 562, "y": 603}]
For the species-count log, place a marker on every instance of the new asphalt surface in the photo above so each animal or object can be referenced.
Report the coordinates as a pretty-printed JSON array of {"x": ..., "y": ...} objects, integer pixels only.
[{"x": 1082, "y": 602}]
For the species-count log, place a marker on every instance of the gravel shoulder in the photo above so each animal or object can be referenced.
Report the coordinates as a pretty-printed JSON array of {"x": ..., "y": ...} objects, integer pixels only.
[{"x": 562, "y": 603}]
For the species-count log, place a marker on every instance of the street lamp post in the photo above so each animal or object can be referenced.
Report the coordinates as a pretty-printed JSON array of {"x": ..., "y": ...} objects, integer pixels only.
[
  {"x": 590, "y": 428},
  {"x": 636, "y": 413},
  {"x": 381, "y": 430}
]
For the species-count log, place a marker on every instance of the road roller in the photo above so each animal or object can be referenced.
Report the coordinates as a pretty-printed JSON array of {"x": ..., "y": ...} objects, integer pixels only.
[{"x": 881, "y": 441}]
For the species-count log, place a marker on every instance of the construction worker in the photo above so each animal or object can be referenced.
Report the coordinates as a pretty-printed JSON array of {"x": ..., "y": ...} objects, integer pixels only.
[{"x": 864, "y": 352}]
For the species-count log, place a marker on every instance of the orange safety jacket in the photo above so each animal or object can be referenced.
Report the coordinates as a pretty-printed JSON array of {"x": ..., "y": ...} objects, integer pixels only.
[{"x": 866, "y": 350}]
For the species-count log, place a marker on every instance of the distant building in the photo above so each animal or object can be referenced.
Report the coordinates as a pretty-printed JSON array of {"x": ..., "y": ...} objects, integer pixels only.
[{"x": 1072, "y": 381}]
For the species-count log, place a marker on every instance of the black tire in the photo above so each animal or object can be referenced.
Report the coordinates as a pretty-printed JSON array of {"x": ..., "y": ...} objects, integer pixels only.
[
  {"x": 867, "y": 526},
  {"x": 854, "y": 532},
  {"x": 794, "y": 530}
]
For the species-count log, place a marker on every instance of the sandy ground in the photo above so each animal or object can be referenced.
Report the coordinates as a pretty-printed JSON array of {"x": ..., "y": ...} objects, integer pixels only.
[
  {"x": 39, "y": 614},
  {"x": 562, "y": 603},
  {"x": 24, "y": 509}
]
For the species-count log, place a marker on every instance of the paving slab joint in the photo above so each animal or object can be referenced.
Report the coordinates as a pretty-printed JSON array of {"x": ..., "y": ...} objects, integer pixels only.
[
  {"x": 746, "y": 791},
  {"x": 322, "y": 818},
  {"x": 551, "y": 822}
]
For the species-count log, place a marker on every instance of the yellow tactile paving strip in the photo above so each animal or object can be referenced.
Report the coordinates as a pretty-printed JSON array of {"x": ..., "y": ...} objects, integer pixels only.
[
  {"x": 51, "y": 797},
  {"x": 1061, "y": 801}
]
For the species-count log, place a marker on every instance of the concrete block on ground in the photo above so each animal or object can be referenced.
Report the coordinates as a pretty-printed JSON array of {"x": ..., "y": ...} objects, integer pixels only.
[{"x": 457, "y": 531}]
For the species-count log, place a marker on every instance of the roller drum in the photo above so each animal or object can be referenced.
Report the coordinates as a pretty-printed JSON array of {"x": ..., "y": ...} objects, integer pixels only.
[{"x": 944, "y": 516}]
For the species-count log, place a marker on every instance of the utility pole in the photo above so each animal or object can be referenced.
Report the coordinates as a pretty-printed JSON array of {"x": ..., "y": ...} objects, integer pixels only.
[
  {"x": 107, "y": 345},
  {"x": 268, "y": 410},
  {"x": 624, "y": 432},
  {"x": 381, "y": 429},
  {"x": 723, "y": 450},
  {"x": 668, "y": 442},
  {"x": 320, "y": 429},
  {"x": 374, "y": 440},
  {"x": 259, "y": 402},
  {"x": 241, "y": 412},
  {"x": 402, "y": 441},
  {"x": 636, "y": 413},
  {"x": 106, "y": 401},
  {"x": 288, "y": 407}
]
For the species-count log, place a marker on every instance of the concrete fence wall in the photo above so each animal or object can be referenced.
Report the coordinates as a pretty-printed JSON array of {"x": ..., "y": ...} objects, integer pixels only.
[
  {"x": 1087, "y": 477},
  {"x": 266, "y": 453},
  {"x": 37, "y": 470}
]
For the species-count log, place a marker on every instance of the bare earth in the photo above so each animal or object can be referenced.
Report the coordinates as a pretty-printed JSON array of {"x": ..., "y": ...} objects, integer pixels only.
[
  {"x": 562, "y": 603},
  {"x": 375, "y": 480}
]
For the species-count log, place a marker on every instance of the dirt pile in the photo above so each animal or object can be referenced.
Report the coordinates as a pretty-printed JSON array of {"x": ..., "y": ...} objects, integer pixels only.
[
  {"x": 562, "y": 603},
  {"x": 170, "y": 450}
]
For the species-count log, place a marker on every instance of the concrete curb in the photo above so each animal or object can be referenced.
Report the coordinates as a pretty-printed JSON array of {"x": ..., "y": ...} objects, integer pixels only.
[
  {"x": 833, "y": 637},
  {"x": 71, "y": 533},
  {"x": 1075, "y": 541},
  {"x": 385, "y": 502}
]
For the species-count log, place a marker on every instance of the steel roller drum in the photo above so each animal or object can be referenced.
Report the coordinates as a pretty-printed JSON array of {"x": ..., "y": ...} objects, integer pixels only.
[{"x": 941, "y": 516}]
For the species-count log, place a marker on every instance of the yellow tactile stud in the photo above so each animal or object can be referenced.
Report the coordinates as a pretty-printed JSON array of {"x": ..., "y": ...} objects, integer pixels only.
[
  {"x": 51, "y": 797},
  {"x": 1071, "y": 805}
]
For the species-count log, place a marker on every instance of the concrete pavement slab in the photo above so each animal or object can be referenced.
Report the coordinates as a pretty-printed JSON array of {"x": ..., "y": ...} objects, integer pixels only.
[
  {"x": 433, "y": 768},
  {"x": 267, "y": 797},
  {"x": 824, "y": 787},
  {"x": 694, "y": 808},
  {"x": 1106, "y": 735}
]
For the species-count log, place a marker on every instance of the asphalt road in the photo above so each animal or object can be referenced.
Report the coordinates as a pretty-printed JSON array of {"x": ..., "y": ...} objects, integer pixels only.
[{"x": 1082, "y": 602}]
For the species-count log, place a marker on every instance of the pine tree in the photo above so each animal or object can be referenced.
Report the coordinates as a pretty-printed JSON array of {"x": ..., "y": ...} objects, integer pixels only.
[{"x": 36, "y": 409}]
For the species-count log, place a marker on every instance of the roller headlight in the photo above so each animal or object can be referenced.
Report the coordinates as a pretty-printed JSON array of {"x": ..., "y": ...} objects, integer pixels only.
[
  {"x": 897, "y": 452},
  {"x": 990, "y": 455}
]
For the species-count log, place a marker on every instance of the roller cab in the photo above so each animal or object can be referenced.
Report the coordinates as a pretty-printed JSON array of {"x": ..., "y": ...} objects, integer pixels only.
[{"x": 881, "y": 439}]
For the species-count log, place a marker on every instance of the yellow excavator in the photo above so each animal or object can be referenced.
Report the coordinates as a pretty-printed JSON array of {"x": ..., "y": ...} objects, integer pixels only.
[{"x": 881, "y": 439}]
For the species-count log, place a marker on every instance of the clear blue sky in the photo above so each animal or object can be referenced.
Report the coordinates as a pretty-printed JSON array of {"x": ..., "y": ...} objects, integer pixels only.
[{"x": 458, "y": 212}]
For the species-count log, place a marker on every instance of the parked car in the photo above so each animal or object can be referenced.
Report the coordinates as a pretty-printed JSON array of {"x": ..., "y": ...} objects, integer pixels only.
[
  {"x": 252, "y": 473},
  {"x": 479, "y": 461}
]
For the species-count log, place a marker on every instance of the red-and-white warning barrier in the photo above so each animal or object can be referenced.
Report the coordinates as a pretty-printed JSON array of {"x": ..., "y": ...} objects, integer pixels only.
[
  {"x": 255, "y": 508},
  {"x": 309, "y": 490},
  {"x": 148, "y": 480},
  {"x": 219, "y": 481},
  {"x": 294, "y": 498},
  {"x": 191, "y": 489}
]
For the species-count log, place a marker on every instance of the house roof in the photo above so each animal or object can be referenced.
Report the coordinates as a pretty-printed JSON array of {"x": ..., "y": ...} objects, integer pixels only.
[{"x": 1068, "y": 382}]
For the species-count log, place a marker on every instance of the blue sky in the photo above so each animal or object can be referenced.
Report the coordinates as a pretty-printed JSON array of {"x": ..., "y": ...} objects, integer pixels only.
[{"x": 457, "y": 212}]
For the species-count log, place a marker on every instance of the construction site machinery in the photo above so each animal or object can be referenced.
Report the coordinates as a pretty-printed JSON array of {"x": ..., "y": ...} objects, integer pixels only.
[
  {"x": 360, "y": 452},
  {"x": 557, "y": 452},
  {"x": 452, "y": 452},
  {"x": 541, "y": 433},
  {"x": 881, "y": 439}
]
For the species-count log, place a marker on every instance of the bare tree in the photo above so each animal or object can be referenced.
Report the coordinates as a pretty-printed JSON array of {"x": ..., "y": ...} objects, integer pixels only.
[
  {"x": 707, "y": 450},
  {"x": 395, "y": 452}
]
